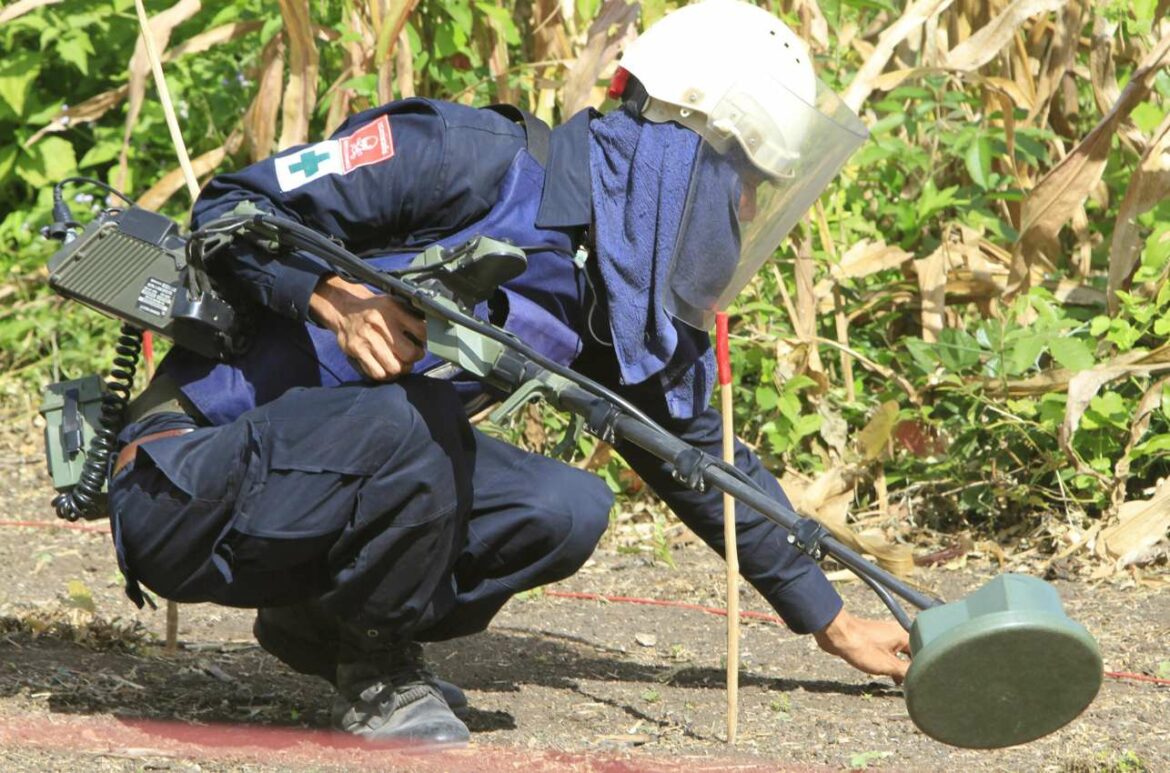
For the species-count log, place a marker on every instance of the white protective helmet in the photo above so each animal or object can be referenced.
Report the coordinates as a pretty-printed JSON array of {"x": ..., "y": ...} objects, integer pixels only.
[{"x": 744, "y": 82}]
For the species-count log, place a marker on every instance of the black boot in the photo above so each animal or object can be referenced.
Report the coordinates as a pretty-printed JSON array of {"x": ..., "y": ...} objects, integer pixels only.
[
  {"x": 306, "y": 639},
  {"x": 387, "y": 694},
  {"x": 302, "y": 637}
]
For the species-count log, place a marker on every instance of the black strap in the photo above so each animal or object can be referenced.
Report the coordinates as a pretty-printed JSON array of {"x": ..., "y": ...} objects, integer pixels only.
[
  {"x": 71, "y": 437},
  {"x": 536, "y": 129}
]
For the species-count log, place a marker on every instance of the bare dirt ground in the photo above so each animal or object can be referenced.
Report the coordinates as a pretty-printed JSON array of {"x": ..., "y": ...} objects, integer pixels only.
[{"x": 555, "y": 684}]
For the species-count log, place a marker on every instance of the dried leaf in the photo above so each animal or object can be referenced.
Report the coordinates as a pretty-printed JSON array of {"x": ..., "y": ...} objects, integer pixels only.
[
  {"x": 404, "y": 64},
  {"x": 89, "y": 110},
  {"x": 21, "y": 7},
  {"x": 534, "y": 432},
  {"x": 1081, "y": 264},
  {"x": 260, "y": 119},
  {"x": 814, "y": 26},
  {"x": 891, "y": 556},
  {"x": 957, "y": 549},
  {"x": 161, "y": 27},
  {"x": 1103, "y": 78},
  {"x": 1060, "y": 56},
  {"x": 1072, "y": 293},
  {"x": 1149, "y": 185},
  {"x": 498, "y": 60},
  {"x": 611, "y": 29},
  {"x": 550, "y": 43},
  {"x": 623, "y": 741},
  {"x": 875, "y": 436},
  {"x": 1102, "y": 72},
  {"x": 891, "y": 80},
  {"x": 1084, "y": 385},
  {"x": 932, "y": 285},
  {"x": 1141, "y": 525},
  {"x": 213, "y": 670},
  {"x": 1059, "y": 379},
  {"x": 1082, "y": 388},
  {"x": 805, "y": 322},
  {"x": 834, "y": 429},
  {"x": 827, "y": 499},
  {"x": 894, "y": 78},
  {"x": 354, "y": 58},
  {"x": 868, "y": 257},
  {"x": 1012, "y": 90},
  {"x": 388, "y": 28},
  {"x": 300, "y": 94},
  {"x": 205, "y": 41},
  {"x": 1067, "y": 184},
  {"x": 982, "y": 47},
  {"x": 600, "y": 456},
  {"x": 911, "y": 19},
  {"x": 918, "y": 438},
  {"x": 1150, "y": 402}
]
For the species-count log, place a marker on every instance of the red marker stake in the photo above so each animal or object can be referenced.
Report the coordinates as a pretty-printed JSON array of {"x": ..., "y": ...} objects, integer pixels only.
[{"x": 723, "y": 359}]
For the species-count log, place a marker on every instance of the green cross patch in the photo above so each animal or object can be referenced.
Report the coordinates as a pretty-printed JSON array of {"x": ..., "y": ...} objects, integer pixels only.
[{"x": 308, "y": 162}]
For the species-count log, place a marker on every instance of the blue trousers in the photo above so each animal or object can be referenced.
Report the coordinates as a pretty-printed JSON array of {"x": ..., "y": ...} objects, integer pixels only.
[{"x": 377, "y": 505}]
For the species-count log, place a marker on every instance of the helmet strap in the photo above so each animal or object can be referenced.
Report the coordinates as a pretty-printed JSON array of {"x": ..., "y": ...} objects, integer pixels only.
[{"x": 634, "y": 96}]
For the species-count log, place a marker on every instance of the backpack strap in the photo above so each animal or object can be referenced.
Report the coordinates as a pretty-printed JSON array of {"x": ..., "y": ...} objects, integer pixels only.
[{"x": 536, "y": 130}]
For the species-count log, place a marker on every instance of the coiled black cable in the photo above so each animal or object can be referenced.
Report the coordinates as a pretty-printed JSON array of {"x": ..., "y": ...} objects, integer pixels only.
[{"x": 85, "y": 500}]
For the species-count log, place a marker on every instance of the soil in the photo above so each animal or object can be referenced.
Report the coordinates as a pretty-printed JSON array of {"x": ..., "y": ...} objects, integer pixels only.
[{"x": 554, "y": 684}]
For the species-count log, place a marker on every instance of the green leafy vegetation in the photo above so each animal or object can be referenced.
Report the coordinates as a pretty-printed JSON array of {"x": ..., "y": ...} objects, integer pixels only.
[{"x": 969, "y": 329}]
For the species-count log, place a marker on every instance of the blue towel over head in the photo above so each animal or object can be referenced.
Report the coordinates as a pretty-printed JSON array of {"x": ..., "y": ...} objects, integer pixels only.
[{"x": 641, "y": 171}]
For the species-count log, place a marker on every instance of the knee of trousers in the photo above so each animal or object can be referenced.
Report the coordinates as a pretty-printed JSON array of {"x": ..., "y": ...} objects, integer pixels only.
[{"x": 577, "y": 504}]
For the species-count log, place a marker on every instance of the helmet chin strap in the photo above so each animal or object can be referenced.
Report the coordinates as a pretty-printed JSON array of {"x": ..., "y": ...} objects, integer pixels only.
[{"x": 628, "y": 90}]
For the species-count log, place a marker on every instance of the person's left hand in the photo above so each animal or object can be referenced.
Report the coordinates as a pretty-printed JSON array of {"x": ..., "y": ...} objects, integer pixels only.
[
  {"x": 871, "y": 646},
  {"x": 377, "y": 332}
]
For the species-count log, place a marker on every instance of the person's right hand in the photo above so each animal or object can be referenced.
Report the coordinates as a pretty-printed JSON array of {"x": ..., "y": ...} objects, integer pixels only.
[
  {"x": 872, "y": 646},
  {"x": 376, "y": 331}
]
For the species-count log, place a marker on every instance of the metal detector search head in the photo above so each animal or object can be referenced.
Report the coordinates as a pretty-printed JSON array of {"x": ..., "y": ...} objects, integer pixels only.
[{"x": 1002, "y": 667}]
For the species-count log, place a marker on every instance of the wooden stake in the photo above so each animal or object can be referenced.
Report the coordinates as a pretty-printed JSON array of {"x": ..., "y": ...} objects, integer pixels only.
[
  {"x": 164, "y": 96},
  {"x": 172, "y": 626},
  {"x": 723, "y": 357},
  {"x": 172, "y": 636}
]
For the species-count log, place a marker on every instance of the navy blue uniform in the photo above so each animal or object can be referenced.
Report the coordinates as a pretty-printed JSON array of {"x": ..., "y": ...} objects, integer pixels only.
[
  {"x": 453, "y": 172},
  {"x": 413, "y": 522}
]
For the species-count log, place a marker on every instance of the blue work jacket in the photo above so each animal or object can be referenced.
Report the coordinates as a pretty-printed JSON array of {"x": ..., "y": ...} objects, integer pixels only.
[{"x": 397, "y": 178}]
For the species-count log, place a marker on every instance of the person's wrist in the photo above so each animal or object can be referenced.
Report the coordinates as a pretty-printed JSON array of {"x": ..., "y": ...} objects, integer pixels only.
[
  {"x": 330, "y": 299},
  {"x": 834, "y": 636}
]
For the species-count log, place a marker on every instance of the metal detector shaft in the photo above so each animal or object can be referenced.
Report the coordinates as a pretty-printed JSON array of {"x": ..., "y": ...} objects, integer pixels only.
[{"x": 606, "y": 417}]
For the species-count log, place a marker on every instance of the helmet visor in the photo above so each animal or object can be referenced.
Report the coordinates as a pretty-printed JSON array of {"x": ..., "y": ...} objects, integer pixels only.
[{"x": 758, "y": 170}]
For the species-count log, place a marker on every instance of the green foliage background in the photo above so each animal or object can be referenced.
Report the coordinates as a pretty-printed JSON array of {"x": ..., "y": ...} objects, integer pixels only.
[{"x": 965, "y": 445}]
